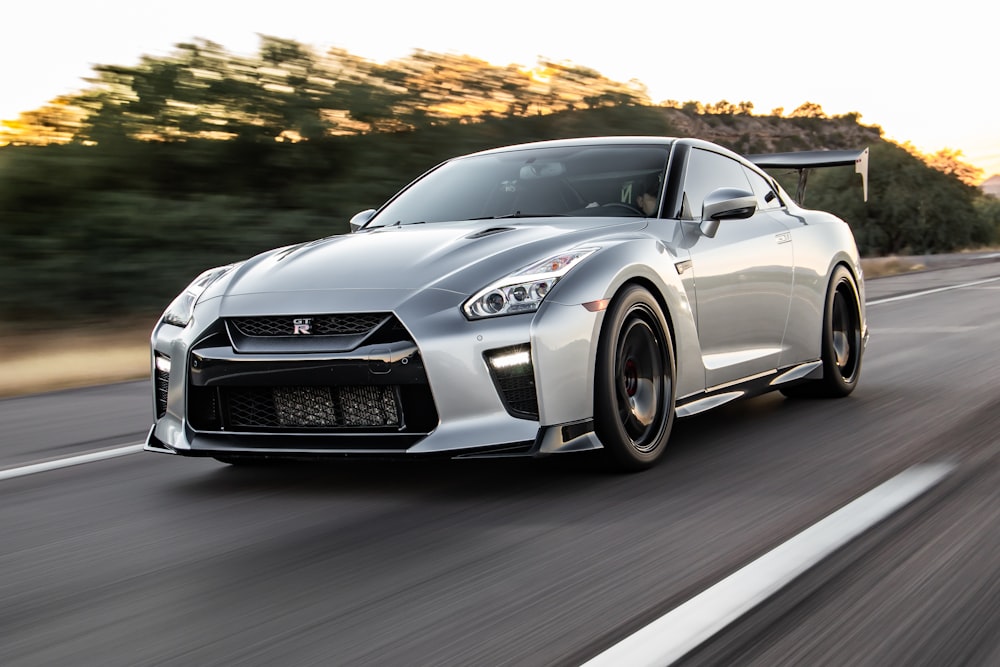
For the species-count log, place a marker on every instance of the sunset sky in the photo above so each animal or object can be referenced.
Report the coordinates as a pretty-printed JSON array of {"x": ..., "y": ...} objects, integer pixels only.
[{"x": 928, "y": 77}]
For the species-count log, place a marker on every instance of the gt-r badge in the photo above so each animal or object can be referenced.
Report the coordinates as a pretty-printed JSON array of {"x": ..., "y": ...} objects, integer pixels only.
[{"x": 302, "y": 325}]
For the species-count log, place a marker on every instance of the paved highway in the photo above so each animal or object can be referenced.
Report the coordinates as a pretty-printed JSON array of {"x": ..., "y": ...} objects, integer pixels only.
[{"x": 149, "y": 559}]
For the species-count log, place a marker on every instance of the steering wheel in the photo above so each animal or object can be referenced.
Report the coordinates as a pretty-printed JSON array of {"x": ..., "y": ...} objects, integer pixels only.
[{"x": 628, "y": 207}]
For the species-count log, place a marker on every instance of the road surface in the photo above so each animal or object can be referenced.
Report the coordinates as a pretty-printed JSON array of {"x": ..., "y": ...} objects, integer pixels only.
[{"x": 146, "y": 559}]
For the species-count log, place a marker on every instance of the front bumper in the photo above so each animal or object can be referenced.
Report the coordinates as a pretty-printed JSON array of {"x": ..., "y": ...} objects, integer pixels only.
[{"x": 424, "y": 389}]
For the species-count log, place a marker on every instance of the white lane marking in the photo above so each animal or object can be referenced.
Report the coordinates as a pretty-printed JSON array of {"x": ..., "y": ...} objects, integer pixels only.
[
  {"x": 925, "y": 292},
  {"x": 675, "y": 634},
  {"x": 924, "y": 331},
  {"x": 55, "y": 464}
]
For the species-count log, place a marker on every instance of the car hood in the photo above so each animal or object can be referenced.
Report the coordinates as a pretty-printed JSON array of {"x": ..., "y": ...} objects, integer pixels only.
[{"x": 459, "y": 257}]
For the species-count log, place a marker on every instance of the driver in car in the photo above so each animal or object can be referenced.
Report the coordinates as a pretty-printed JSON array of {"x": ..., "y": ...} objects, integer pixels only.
[{"x": 648, "y": 199}]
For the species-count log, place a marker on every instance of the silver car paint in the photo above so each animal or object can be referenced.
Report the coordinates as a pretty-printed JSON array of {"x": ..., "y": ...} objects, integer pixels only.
[{"x": 708, "y": 289}]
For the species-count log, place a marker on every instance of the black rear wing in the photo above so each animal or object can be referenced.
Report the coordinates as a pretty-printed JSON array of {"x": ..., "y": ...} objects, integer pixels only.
[{"x": 803, "y": 161}]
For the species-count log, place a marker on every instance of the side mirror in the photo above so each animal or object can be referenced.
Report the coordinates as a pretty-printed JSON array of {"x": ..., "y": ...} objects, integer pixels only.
[
  {"x": 726, "y": 204},
  {"x": 359, "y": 220}
]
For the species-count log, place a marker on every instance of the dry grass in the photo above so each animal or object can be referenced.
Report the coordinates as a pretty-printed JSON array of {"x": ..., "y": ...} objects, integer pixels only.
[
  {"x": 118, "y": 351},
  {"x": 876, "y": 267},
  {"x": 50, "y": 360}
]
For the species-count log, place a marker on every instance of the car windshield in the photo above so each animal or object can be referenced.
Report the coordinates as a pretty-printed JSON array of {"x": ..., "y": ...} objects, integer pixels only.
[{"x": 609, "y": 180}]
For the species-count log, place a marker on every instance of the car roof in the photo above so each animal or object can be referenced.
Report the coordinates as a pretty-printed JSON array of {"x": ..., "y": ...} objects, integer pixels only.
[
  {"x": 584, "y": 141},
  {"x": 634, "y": 140}
]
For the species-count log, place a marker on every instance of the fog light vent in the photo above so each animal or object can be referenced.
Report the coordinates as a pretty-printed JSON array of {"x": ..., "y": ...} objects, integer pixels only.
[
  {"x": 161, "y": 382},
  {"x": 514, "y": 377}
]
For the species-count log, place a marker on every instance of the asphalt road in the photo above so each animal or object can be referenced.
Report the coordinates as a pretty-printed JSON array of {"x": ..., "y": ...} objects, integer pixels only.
[{"x": 150, "y": 559}]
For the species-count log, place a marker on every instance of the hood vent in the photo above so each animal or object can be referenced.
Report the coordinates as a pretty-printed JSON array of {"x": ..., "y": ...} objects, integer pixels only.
[{"x": 489, "y": 232}]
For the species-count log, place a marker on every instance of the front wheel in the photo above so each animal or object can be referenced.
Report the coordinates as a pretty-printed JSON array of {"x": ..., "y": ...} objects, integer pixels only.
[
  {"x": 842, "y": 342},
  {"x": 634, "y": 381}
]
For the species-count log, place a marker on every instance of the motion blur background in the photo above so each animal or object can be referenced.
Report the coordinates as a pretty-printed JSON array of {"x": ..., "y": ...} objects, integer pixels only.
[{"x": 114, "y": 195}]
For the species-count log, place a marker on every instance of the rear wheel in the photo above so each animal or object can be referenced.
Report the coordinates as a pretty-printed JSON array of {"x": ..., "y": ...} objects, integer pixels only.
[
  {"x": 634, "y": 381},
  {"x": 842, "y": 344}
]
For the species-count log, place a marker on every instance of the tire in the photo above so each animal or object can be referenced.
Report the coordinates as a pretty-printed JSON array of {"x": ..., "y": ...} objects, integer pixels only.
[
  {"x": 634, "y": 381},
  {"x": 842, "y": 346}
]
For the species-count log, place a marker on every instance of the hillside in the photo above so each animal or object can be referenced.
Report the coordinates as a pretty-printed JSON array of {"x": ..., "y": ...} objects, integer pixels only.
[
  {"x": 768, "y": 134},
  {"x": 991, "y": 185},
  {"x": 140, "y": 218}
]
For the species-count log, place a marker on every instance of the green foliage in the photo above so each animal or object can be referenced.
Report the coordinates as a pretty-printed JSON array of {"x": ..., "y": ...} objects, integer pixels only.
[
  {"x": 146, "y": 195},
  {"x": 988, "y": 208},
  {"x": 121, "y": 227},
  {"x": 912, "y": 209},
  {"x": 288, "y": 92}
]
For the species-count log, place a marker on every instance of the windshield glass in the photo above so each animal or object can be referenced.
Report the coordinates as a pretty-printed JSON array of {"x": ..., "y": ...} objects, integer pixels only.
[{"x": 614, "y": 180}]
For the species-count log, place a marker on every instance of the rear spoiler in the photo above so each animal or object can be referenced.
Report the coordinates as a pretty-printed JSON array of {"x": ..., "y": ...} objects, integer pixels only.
[{"x": 803, "y": 161}]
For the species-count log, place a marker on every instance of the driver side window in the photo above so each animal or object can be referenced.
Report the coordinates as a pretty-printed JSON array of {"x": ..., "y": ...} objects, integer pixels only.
[{"x": 708, "y": 171}]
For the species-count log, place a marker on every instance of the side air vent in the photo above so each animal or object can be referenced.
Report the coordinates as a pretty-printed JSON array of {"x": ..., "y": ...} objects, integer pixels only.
[{"x": 514, "y": 377}]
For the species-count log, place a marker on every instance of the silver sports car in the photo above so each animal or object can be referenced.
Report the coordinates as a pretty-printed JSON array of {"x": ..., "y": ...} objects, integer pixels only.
[{"x": 524, "y": 301}]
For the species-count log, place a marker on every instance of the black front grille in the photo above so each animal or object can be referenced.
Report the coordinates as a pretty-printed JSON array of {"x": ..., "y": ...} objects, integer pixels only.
[
  {"x": 311, "y": 407},
  {"x": 338, "y": 392},
  {"x": 349, "y": 324}
]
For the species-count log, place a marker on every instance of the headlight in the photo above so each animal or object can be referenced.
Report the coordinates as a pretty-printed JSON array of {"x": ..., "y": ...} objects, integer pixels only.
[
  {"x": 181, "y": 309},
  {"x": 523, "y": 290}
]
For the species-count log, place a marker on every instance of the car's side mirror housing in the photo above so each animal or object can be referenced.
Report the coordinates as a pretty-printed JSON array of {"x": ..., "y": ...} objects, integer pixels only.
[
  {"x": 726, "y": 204},
  {"x": 359, "y": 219}
]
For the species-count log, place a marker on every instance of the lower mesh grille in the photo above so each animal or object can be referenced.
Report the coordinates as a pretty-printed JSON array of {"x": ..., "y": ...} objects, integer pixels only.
[
  {"x": 519, "y": 394},
  {"x": 312, "y": 407}
]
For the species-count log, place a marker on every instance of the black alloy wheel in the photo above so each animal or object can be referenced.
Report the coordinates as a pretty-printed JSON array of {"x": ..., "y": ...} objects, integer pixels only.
[
  {"x": 842, "y": 345},
  {"x": 634, "y": 383}
]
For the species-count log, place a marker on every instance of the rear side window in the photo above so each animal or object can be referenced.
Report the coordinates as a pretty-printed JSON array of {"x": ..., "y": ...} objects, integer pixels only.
[
  {"x": 708, "y": 171},
  {"x": 767, "y": 197}
]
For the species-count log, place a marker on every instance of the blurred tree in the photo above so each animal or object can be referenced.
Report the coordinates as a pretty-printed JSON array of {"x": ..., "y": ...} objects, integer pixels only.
[
  {"x": 808, "y": 110},
  {"x": 58, "y": 122},
  {"x": 141, "y": 218},
  {"x": 949, "y": 161},
  {"x": 988, "y": 208},
  {"x": 911, "y": 209},
  {"x": 693, "y": 107},
  {"x": 721, "y": 107},
  {"x": 288, "y": 93},
  {"x": 203, "y": 157}
]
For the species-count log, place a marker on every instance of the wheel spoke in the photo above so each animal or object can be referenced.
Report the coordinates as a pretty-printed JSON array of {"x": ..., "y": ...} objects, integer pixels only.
[
  {"x": 633, "y": 405},
  {"x": 844, "y": 333},
  {"x": 639, "y": 384},
  {"x": 841, "y": 348}
]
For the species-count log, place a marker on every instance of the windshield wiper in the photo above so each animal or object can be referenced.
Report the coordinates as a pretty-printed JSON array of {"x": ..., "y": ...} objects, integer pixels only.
[{"x": 519, "y": 214}]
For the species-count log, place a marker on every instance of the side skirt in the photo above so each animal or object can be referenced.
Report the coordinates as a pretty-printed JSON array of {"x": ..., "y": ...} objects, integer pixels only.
[{"x": 754, "y": 385}]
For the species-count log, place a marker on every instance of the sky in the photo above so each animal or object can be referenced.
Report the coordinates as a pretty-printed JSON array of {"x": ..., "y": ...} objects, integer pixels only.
[{"x": 924, "y": 76}]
